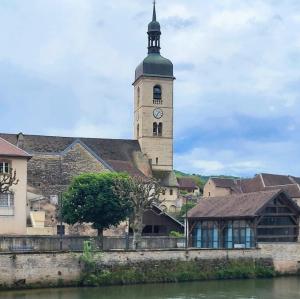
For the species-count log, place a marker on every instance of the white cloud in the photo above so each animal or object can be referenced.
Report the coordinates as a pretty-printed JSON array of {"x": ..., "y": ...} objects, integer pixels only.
[{"x": 243, "y": 63}]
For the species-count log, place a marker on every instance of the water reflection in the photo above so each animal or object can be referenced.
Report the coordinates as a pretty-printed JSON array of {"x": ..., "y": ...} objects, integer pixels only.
[{"x": 287, "y": 288}]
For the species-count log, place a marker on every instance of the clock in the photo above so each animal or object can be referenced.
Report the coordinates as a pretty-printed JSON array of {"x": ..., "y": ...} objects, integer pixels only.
[{"x": 158, "y": 113}]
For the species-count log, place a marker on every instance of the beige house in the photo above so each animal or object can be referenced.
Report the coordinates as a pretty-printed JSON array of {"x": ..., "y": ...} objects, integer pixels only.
[{"x": 13, "y": 202}]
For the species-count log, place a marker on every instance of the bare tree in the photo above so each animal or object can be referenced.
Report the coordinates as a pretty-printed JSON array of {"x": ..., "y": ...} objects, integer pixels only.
[
  {"x": 143, "y": 194},
  {"x": 7, "y": 180}
]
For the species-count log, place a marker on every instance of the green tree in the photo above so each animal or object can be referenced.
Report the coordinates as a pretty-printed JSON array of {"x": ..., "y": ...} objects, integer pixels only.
[{"x": 90, "y": 199}]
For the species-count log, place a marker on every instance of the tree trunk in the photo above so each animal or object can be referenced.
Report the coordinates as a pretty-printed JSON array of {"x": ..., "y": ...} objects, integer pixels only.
[
  {"x": 137, "y": 231},
  {"x": 100, "y": 238}
]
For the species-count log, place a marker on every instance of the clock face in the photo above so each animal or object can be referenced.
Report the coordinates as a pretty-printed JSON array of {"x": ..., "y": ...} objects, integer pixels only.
[{"x": 158, "y": 113}]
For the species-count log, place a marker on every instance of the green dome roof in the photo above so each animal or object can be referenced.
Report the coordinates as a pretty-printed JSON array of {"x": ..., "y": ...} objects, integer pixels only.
[
  {"x": 153, "y": 26},
  {"x": 155, "y": 65}
]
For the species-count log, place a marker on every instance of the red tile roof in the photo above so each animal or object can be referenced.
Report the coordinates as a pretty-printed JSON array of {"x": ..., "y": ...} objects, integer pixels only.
[{"x": 9, "y": 150}]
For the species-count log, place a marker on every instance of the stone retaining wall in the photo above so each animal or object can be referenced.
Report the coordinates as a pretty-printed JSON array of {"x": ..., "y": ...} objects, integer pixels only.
[{"x": 62, "y": 269}]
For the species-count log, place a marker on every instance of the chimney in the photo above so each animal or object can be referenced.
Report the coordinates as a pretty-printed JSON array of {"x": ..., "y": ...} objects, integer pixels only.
[{"x": 20, "y": 140}]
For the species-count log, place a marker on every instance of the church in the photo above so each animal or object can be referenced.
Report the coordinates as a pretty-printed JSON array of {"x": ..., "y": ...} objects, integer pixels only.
[{"x": 56, "y": 160}]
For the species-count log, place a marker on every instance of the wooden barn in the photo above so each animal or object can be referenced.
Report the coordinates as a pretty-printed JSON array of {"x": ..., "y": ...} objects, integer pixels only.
[{"x": 243, "y": 220}]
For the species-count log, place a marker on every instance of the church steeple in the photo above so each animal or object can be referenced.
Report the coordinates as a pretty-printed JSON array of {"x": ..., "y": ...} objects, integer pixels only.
[{"x": 154, "y": 34}]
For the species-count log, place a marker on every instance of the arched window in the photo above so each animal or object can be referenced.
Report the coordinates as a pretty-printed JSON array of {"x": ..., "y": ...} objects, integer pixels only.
[
  {"x": 138, "y": 131},
  {"x": 159, "y": 129},
  {"x": 156, "y": 161},
  {"x": 155, "y": 129},
  {"x": 138, "y": 96},
  {"x": 172, "y": 209},
  {"x": 157, "y": 94}
]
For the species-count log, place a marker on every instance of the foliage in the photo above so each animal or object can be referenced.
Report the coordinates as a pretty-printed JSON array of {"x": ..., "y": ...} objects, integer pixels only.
[
  {"x": 176, "y": 234},
  {"x": 91, "y": 199},
  {"x": 7, "y": 180},
  {"x": 89, "y": 264},
  {"x": 143, "y": 193},
  {"x": 177, "y": 271}
]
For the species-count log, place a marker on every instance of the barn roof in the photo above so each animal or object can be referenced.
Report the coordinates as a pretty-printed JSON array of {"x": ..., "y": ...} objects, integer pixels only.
[{"x": 234, "y": 206}]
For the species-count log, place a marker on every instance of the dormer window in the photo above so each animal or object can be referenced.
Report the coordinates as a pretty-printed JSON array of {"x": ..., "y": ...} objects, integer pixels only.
[
  {"x": 4, "y": 167},
  {"x": 157, "y": 94}
]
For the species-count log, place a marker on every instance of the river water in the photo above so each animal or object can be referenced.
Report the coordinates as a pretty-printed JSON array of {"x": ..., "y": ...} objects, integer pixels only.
[{"x": 280, "y": 288}]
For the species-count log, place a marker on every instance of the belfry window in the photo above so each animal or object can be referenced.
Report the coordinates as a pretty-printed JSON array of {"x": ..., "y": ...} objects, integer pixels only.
[
  {"x": 138, "y": 96},
  {"x": 159, "y": 129},
  {"x": 155, "y": 129},
  {"x": 138, "y": 131},
  {"x": 157, "y": 99}
]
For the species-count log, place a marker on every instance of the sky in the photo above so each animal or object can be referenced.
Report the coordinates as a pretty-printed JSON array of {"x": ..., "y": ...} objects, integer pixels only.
[{"x": 66, "y": 68}]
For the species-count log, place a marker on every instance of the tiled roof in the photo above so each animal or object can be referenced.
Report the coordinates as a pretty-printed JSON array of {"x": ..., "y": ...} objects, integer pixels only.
[
  {"x": 187, "y": 183},
  {"x": 292, "y": 190},
  {"x": 223, "y": 182},
  {"x": 276, "y": 179},
  {"x": 107, "y": 149},
  {"x": 240, "y": 205},
  {"x": 262, "y": 182},
  {"x": 9, "y": 150}
]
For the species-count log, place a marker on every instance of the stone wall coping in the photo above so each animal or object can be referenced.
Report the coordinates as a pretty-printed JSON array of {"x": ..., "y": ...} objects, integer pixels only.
[{"x": 142, "y": 251}]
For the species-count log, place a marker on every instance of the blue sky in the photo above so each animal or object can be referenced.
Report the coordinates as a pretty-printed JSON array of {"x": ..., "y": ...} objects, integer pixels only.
[{"x": 66, "y": 68}]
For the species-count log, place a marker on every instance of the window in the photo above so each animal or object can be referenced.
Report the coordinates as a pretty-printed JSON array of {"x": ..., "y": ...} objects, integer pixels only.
[
  {"x": 172, "y": 209},
  {"x": 138, "y": 131},
  {"x": 138, "y": 96},
  {"x": 156, "y": 161},
  {"x": 157, "y": 94},
  {"x": 154, "y": 129},
  {"x": 171, "y": 191},
  {"x": 4, "y": 167},
  {"x": 163, "y": 192},
  {"x": 159, "y": 129},
  {"x": 6, "y": 200}
]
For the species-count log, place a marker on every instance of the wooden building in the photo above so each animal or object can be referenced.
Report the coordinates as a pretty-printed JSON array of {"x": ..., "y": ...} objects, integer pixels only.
[
  {"x": 243, "y": 220},
  {"x": 158, "y": 223}
]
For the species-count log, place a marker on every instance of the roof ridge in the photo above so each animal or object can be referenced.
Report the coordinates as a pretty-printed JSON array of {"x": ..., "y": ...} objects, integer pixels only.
[{"x": 73, "y": 137}]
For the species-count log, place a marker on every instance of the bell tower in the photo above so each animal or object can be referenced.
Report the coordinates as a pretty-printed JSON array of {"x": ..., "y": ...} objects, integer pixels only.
[{"x": 153, "y": 102}]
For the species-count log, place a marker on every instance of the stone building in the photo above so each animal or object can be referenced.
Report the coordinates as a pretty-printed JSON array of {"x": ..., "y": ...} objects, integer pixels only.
[
  {"x": 56, "y": 160},
  {"x": 261, "y": 182}
]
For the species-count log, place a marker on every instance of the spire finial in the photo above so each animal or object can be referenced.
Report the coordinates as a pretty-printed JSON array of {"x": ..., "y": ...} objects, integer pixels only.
[{"x": 154, "y": 11}]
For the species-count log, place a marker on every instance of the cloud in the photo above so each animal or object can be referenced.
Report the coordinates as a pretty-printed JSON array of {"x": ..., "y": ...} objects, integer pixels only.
[{"x": 66, "y": 68}]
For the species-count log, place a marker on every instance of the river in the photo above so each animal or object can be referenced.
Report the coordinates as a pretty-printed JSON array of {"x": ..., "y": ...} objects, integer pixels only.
[{"x": 279, "y": 288}]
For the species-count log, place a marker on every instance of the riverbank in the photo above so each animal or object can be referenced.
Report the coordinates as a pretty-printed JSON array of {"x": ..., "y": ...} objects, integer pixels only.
[{"x": 60, "y": 269}]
